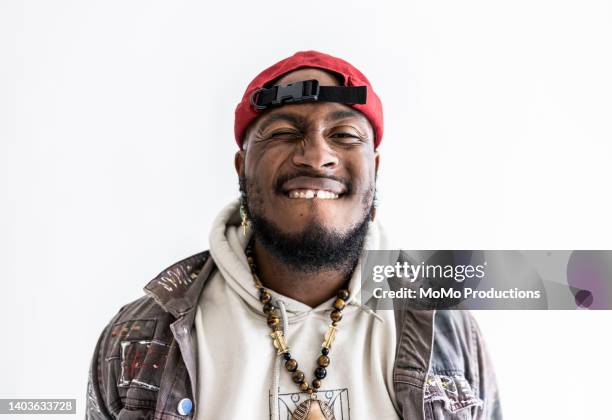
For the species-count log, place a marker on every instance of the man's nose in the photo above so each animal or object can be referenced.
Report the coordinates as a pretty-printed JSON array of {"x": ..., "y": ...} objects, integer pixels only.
[{"x": 315, "y": 152}]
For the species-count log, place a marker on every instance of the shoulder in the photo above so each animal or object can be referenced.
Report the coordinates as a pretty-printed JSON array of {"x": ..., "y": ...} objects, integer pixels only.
[
  {"x": 456, "y": 321},
  {"x": 457, "y": 340},
  {"x": 143, "y": 315},
  {"x": 150, "y": 315},
  {"x": 142, "y": 328}
]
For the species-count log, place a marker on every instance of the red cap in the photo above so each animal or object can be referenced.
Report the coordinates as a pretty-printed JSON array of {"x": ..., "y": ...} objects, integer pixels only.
[{"x": 372, "y": 109}]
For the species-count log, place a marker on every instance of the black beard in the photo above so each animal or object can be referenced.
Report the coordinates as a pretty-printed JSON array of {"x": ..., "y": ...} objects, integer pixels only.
[{"x": 314, "y": 249}]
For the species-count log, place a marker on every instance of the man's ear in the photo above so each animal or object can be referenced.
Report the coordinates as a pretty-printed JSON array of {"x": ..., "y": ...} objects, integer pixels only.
[{"x": 239, "y": 162}]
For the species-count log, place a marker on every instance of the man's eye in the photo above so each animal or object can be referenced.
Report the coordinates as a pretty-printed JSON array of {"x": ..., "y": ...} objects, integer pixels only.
[
  {"x": 343, "y": 135},
  {"x": 284, "y": 134}
]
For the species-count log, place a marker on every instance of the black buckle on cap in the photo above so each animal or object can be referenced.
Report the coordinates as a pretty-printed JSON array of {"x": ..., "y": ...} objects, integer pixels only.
[{"x": 306, "y": 90}]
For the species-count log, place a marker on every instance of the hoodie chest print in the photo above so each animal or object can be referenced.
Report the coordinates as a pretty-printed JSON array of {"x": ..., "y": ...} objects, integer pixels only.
[{"x": 328, "y": 404}]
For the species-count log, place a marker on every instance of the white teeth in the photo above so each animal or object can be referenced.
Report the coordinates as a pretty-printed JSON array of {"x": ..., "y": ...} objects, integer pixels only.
[
  {"x": 309, "y": 194},
  {"x": 326, "y": 195}
]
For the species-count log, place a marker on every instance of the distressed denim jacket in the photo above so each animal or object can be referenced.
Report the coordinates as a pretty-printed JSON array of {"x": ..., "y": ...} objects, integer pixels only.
[{"x": 144, "y": 364}]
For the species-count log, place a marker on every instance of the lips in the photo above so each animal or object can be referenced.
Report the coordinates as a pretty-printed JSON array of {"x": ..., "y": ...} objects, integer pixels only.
[{"x": 311, "y": 187}]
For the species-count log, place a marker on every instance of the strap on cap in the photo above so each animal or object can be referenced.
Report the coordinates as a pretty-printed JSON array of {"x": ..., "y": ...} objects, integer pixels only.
[{"x": 307, "y": 91}]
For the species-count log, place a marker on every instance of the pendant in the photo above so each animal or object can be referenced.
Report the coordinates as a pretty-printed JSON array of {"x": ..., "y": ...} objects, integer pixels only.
[
  {"x": 313, "y": 410},
  {"x": 279, "y": 342}
]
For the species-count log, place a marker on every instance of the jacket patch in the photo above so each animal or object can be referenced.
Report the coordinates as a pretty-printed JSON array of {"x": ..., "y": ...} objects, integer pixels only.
[
  {"x": 142, "y": 359},
  {"x": 454, "y": 392}
]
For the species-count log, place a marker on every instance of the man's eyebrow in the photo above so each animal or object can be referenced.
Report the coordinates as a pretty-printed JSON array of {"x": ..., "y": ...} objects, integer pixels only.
[
  {"x": 294, "y": 119},
  {"x": 343, "y": 113}
]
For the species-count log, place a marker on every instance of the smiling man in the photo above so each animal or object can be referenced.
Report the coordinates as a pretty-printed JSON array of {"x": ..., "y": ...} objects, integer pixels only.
[{"x": 270, "y": 323}]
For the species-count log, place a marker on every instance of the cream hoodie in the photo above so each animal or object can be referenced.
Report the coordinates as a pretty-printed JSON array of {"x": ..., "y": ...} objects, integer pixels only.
[{"x": 238, "y": 368}]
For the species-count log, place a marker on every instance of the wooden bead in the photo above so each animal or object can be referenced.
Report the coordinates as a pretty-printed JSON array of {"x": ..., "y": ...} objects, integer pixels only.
[
  {"x": 324, "y": 351},
  {"x": 336, "y": 315},
  {"x": 268, "y": 308},
  {"x": 316, "y": 383},
  {"x": 291, "y": 365},
  {"x": 343, "y": 294},
  {"x": 273, "y": 321},
  {"x": 303, "y": 386},
  {"x": 323, "y": 361},
  {"x": 298, "y": 376},
  {"x": 320, "y": 373},
  {"x": 339, "y": 304},
  {"x": 265, "y": 297}
]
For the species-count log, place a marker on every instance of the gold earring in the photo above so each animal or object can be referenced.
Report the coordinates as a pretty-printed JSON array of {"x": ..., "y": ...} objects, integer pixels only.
[{"x": 245, "y": 220}]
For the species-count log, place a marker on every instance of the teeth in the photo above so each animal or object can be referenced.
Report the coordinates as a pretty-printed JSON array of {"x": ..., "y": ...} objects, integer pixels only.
[{"x": 309, "y": 194}]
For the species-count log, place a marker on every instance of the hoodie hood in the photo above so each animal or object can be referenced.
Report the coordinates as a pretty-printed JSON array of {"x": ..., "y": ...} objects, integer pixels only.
[{"x": 227, "y": 245}]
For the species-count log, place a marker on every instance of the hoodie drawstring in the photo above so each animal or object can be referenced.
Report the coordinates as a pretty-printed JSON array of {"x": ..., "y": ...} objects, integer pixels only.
[{"x": 367, "y": 310}]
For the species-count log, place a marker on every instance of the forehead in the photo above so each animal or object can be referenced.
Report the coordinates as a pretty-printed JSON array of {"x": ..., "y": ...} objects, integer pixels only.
[{"x": 311, "y": 113}]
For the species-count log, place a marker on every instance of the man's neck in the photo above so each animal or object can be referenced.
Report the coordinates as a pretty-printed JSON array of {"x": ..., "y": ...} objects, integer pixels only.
[{"x": 311, "y": 289}]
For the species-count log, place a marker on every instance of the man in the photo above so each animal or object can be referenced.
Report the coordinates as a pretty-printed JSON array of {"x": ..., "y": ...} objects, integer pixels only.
[{"x": 269, "y": 323}]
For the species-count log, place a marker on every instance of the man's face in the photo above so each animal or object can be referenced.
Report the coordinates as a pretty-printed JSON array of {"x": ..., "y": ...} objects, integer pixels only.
[{"x": 310, "y": 164}]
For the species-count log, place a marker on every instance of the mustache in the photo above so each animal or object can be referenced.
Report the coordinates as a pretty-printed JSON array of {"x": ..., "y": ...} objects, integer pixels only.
[{"x": 280, "y": 181}]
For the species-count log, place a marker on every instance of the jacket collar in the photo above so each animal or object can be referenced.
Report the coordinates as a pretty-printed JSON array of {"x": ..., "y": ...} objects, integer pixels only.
[{"x": 177, "y": 288}]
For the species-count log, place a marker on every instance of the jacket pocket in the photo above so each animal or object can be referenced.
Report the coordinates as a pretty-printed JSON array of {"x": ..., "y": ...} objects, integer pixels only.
[
  {"x": 142, "y": 365},
  {"x": 450, "y": 397},
  {"x": 136, "y": 360}
]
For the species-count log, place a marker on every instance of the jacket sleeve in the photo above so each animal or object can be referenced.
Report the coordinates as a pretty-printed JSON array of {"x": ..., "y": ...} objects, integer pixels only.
[
  {"x": 95, "y": 406},
  {"x": 489, "y": 391}
]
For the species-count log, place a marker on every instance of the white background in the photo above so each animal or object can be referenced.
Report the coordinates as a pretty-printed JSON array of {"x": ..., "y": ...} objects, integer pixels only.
[{"x": 116, "y": 153}]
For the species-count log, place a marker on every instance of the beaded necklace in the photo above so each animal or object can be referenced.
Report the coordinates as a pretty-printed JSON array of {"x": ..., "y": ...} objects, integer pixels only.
[{"x": 308, "y": 409}]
